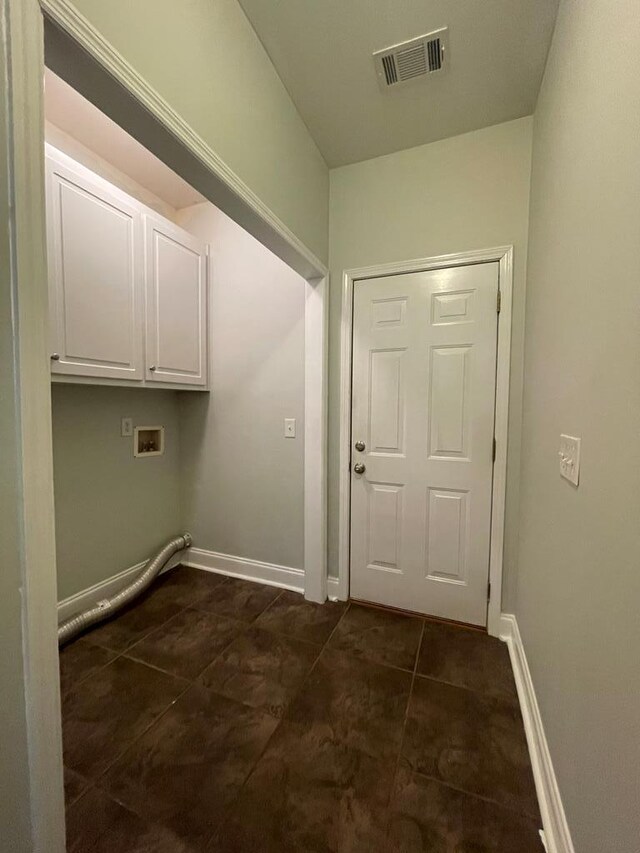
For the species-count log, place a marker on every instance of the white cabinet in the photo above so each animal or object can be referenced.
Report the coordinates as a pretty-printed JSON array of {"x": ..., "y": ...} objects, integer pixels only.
[
  {"x": 96, "y": 268},
  {"x": 127, "y": 288},
  {"x": 176, "y": 294}
]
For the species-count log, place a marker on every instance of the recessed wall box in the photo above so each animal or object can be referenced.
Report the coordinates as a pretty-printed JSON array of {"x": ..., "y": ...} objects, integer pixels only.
[{"x": 148, "y": 441}]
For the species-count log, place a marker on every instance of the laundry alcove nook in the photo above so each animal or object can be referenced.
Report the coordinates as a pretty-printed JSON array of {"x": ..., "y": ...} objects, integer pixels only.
[{"x": 171, "y": 316}]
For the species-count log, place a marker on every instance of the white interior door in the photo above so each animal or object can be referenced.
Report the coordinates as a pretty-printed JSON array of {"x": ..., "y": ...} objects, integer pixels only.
[
  {"x": 95, "y": 275},
  {"x": 176, "y": 304},
  {"x": 423, "y": 398}
]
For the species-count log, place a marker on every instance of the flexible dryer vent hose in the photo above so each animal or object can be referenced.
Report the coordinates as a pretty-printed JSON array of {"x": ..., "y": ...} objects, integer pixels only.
[{"x": 109, "y": 606}]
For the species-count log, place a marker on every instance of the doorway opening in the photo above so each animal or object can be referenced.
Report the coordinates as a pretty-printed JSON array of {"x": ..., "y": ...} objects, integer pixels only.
[{"x": 86, "y": 62}]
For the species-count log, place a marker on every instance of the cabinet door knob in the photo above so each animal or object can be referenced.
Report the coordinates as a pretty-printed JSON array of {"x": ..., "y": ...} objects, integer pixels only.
[
  {"x": 360, "y": 446},
  {"x": 55, "y": 356},
  {"x": 153, "y": 367},
  {"x": 359, "y": 468}
]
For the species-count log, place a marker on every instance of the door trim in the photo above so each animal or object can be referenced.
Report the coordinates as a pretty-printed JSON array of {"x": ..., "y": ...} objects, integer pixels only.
[{"x": 503, "y": 255}]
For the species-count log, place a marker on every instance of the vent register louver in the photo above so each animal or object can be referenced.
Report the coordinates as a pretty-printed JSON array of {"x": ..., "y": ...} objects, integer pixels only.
[{"x": 419, "y": 57}]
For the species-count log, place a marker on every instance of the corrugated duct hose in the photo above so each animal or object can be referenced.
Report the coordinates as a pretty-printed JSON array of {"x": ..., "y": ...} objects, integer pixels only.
[{"x": 110, "y": 606}]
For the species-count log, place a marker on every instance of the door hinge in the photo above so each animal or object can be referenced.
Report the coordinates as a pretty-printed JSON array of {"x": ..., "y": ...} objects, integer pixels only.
[
  {"x": 494, "y": 448},
  {"x": 499, "y": 301},
  {"x": 489, "y": 591}
]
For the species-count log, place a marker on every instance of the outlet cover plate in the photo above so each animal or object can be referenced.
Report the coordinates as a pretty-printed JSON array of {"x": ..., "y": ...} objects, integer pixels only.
[
  {"x": 289, "y": 427},
  {"x": 569, "y": 455}
]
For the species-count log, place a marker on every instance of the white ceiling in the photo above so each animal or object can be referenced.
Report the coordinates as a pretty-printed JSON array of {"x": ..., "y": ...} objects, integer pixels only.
[
  {"x": 322, "y": 51},
  {"x": 76, "y": 116}
]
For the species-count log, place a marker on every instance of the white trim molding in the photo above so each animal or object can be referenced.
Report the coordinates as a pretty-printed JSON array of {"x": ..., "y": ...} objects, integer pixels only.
[
  {"x": 556, "y": 838},
  {"x": 503, "y": 255},
  {"x": 315, "y": 439},
  {"x": 271, "y": 574},
  {"x": 37, "y": 801},
  {"x": 105, "y": 589},
  {"x": 197, "y": 558},
  {"x": 333, "y": 588}
]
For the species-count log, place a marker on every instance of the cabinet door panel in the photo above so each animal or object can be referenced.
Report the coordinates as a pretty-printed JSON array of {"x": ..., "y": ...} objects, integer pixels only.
[
  {"x": 176, "y": 277},
  {"x": 95, "y": 275}
]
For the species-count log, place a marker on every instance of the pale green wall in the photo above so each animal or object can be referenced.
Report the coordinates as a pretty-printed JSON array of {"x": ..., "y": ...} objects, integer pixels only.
[
  {"x": 205, "y": 59},
  {"x": 579, "y": 563},
  {"x": 468, "y": 192},
  {"x": 112, "y": 510},
  {"x": 242, "y": 480}
]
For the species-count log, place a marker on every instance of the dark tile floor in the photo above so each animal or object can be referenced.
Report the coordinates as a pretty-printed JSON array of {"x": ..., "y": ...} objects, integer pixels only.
[{"x": 221, "y": 715}]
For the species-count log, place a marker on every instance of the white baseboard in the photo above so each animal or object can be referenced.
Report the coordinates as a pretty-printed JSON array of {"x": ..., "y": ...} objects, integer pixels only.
[
  {"x": 240, "y": 567},
  {"x": 556, "y": 838},
  {"x": 105, "y": 589},
  {"x": 208, "y": 561}
]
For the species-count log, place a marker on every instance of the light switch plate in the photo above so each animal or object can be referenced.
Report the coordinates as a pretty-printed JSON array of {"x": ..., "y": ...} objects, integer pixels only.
[
  {"x": 569, "y": 455},
  {"x": 289, "y": 427},
  {"x": 126, "y": 427}
]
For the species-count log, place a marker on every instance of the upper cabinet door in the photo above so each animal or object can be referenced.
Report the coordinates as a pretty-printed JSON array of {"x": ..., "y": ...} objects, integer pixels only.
[
  {"x": 176, "y": 292},
  {"x": 95, "y": 275}
]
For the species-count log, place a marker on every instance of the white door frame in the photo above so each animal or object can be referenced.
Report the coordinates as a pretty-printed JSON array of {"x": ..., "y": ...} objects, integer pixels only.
[
  {"x": 504, "y": 256},
  {"x": 22, "y": 26}
]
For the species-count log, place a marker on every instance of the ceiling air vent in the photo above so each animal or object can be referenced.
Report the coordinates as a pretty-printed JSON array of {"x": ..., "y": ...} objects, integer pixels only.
[{"x": 419, "y": 57}]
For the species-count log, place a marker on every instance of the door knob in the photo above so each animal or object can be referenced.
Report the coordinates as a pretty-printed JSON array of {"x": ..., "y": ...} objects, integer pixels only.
[
  {"x": 359, "y": 468},
  {"x": 152, "y": 368},
  {"x": 360, "y": 445},
  {"x": 55, "y": 356}
]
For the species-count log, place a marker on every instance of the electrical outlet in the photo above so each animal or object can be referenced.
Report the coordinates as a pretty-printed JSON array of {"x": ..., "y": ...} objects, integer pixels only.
[
  {"x": 126, "y": 427},
  {"x": 289, "y": 427}
]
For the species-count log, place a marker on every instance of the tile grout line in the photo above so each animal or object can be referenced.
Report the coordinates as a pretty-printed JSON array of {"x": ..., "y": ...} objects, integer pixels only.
[
  {"x": 180, "y": 695},
  {"x": 506, "y": 700},
  {"x": 510, "y": 809},
  {"x": 246, "y": 626},
  {"x": 115, "y": 652},
  {"x": 371, "y": 660},
  {"x": 323, "y": 647},
  {"x": 135, "y": 603},
  {"x": 402, "y": 734},
  {"x": 139, "y": 639},
  {"x": 475, "y": 796},
  {"x": 96, "y": 779},
  {"x": 191, "y": 606},
  {"x": 242, "y": 625},
  {"x": 135, "y": 741},
  {"x": 374, "y": 660},
  {"x": 146, "y": 820},
  {"x": 232, "y": 804},
  {"x": 93, "y": 782}
]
